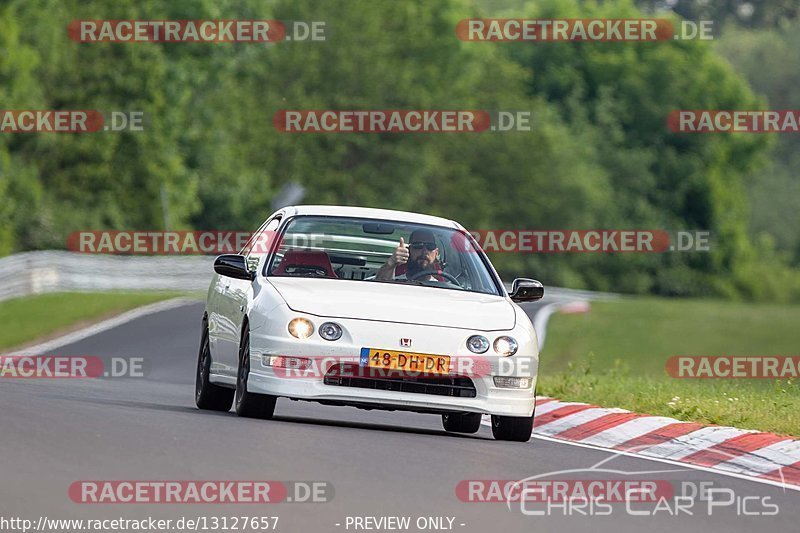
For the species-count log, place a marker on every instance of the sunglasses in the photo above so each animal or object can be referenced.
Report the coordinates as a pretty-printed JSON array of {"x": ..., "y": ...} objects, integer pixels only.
[{"x": 430, "y": 246}]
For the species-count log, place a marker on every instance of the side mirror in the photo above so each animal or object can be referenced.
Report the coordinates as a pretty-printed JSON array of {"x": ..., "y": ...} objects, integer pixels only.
[
  {"x": 232, "y": 266},
  {"x": 526, "y": 290}
]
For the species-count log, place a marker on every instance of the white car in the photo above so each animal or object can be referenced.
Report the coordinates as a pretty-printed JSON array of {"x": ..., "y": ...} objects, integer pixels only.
[{"x": 325, "y": 304}]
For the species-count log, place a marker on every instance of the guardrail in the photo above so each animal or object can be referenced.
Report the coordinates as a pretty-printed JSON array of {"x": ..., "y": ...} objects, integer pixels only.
[{"x": 57, "y": 271}]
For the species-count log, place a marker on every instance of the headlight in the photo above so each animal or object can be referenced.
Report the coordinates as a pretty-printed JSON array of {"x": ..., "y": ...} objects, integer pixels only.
[
  {"x": 302, "y": 328},
  {"x": 505, "y": 346},
  {"x": 478, "y": 344},
  {"x": 330, "y": 331}
]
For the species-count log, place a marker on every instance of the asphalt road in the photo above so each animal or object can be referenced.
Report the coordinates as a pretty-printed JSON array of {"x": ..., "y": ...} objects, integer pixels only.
[{"x": 56, "y": 432}]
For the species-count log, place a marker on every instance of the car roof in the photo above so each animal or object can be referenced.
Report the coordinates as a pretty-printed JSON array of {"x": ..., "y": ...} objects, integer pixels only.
[{"x": 368, "y": 212}]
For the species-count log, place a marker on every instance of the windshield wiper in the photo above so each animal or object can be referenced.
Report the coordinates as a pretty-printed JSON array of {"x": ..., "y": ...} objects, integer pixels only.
[
  {"x": 400, "y": 281},
  {"x": 419, "y": 283}
]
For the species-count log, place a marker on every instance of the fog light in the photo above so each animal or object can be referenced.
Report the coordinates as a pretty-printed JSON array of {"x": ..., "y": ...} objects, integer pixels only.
[
  {"x": 302, "y": 328},
  {"x": 510, "y": 382},
  {"x": 505, "y": 346},
  {"x": 283, "y": 361},
  {"x": 478, "y": 344},
  {"x": 330, "y": 331}
]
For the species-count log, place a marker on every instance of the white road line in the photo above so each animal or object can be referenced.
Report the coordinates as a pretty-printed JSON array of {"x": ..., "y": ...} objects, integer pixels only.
[
  {"x": 693, "y": 442},
  {"x": 75, "y": 336},
  {"x": 629, "y": 430},
  {"x": 766, "y": 459},
  {"x": 637, "y": 455},
  {"x": 540, "y": 319},
  {"x": 745, "y": 467},
  {"x": 688, "y": 466}
]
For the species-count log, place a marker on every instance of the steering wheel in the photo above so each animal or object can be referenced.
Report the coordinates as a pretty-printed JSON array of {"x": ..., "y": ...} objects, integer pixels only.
[{"x": 434, "y": 273}]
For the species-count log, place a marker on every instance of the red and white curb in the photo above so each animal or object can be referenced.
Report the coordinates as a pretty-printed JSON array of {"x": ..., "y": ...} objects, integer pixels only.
[{"x": 760, "y": 456}]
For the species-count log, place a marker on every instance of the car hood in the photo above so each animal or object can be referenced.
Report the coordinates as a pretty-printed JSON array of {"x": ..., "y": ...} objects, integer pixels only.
[{"x": 390, "y": 302}]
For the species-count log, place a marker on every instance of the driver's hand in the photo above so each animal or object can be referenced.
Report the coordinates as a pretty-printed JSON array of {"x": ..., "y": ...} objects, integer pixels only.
[{"x": 400, "y": 255}]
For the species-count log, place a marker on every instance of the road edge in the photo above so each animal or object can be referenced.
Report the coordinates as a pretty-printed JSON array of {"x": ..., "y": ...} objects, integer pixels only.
[
  {"x": 104, "y": 325},
  {"x": 758, "y": 456},
  {"x": 746, "y": 454}
]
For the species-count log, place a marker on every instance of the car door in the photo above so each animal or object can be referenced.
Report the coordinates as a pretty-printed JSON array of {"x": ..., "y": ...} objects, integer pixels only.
[
  {"x": 217, "y": 322},
  {"x": 236, "y": 296}
]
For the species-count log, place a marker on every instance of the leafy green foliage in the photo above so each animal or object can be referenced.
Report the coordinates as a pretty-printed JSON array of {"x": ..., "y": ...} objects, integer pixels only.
[
  {"x": 599, "y": 154},
  {"x": 766, "y": 58},
  {"x": 616, "y": 355}
]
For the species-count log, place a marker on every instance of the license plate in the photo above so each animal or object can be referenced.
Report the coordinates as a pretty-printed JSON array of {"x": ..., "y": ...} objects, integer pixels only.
[{"x": 410, "y": 362}]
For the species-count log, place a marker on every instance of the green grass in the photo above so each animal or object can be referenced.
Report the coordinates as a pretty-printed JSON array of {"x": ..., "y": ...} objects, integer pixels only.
[
  {"x": 24, "y": 320},
  {"x": 615, "y": 355}
]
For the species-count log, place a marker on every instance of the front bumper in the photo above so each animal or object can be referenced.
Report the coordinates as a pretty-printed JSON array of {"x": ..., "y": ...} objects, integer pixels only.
[
  {"x": 310, "y": 384},
  {"x": 488, "y": 400},
  {"x": 270, "y": 338}
]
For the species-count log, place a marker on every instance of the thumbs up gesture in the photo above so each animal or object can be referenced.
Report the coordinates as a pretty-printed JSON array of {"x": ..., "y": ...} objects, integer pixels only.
[{"x": 400, "y": 255}]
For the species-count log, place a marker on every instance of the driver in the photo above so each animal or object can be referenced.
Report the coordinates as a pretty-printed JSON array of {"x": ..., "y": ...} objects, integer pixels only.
[{"x": 420, "y": 255}]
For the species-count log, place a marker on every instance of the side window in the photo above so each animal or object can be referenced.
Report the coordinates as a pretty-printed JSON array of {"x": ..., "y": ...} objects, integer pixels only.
[{"x": 259, "y": 244}]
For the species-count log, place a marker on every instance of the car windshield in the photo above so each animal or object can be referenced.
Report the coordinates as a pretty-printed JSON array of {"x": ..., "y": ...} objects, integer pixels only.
[{"x": 362, "y": 250}]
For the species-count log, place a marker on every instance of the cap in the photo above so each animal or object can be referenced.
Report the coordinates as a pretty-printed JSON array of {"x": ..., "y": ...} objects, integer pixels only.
[{"x": 422, "y": 235}]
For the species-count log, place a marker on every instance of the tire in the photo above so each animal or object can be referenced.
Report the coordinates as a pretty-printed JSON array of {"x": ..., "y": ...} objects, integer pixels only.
[
  {"x": 462, "y": 423},
  {"x": 513, "y": 428},
  {"x": 207, "y": 395},
  {"x": 249, "y": 404}
]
